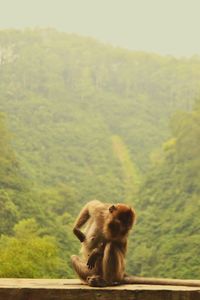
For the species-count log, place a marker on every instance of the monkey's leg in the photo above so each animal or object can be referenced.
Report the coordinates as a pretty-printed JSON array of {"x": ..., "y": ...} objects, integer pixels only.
[
  {"x": 86, "y": 274},
  {"x": 112, "y": 267},
  {"x": 96, "y": 257},
  {"x": 96, "y": 280},
  {"x": 81, "y": 268},
  {"x": 96, "y": 266}
]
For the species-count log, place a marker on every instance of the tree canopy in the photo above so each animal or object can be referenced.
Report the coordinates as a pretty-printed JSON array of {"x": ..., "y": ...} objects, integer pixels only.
[{"x": 82, "y": 120}]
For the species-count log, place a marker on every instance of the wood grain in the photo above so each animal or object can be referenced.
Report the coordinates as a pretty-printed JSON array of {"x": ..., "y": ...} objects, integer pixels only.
[{"x": 69, "y": 289}]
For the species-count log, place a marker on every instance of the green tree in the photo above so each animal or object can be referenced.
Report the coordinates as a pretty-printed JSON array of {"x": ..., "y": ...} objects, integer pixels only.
[{"x": 26, "y": 254}]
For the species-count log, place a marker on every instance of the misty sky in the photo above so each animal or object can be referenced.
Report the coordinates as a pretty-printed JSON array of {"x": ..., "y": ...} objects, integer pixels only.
[{"x": 162, "y": 26}]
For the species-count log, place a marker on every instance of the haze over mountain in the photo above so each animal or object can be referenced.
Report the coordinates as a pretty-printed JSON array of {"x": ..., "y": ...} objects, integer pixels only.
[
  {"x": 85, "y": 120},
  {"x": 166, "y": 27}
]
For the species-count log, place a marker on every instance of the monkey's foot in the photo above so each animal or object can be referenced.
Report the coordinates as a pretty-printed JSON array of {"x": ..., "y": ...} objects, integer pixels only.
[{"x": 96, "y": 280}]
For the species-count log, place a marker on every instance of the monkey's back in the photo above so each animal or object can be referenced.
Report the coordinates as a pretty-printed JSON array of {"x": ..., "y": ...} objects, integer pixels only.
[{"x": 98, "y": 212}]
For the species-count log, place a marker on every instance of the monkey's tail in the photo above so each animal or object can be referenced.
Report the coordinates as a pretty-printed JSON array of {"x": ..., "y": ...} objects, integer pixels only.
[{"x": 160, "y": 281}]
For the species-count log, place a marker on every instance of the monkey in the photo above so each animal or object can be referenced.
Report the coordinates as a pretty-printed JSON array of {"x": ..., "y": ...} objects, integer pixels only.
[
  {"x": 104, "y": 245},
  {"x": 104, "y": 242}
]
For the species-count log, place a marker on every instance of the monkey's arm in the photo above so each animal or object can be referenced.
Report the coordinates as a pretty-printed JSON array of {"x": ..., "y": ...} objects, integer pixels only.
[
  {"x": 87, "y": 211},
  {"x": 79, "y": 234},
  {"x": 80, "y": 221},
  {"x": 95, "y": 254}
]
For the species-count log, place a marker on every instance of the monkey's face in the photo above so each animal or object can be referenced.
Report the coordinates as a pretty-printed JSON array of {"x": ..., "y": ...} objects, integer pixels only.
[{"x": 121, "y": 220}]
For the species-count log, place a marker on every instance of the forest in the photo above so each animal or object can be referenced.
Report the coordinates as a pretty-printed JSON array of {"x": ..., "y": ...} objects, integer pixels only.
[{"x": 83, "y": 120}]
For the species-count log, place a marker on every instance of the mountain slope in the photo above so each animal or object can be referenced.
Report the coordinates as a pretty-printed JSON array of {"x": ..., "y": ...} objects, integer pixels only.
[
  {"x": 86, "y": 119},
  {"x": 66, "y": 96},
  {"x": 167, "y": 241}
]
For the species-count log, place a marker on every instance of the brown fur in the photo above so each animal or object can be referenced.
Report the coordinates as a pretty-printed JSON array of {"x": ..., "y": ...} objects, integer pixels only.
[{"x": 104, "y": 242}]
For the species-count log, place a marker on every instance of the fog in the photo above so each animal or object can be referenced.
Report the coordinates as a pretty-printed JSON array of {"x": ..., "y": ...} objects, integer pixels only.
[{"x": 166, "y": 27}]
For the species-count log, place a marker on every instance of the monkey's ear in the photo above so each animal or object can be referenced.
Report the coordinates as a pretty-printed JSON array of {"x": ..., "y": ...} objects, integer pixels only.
[{"x": 112, "y": 208}]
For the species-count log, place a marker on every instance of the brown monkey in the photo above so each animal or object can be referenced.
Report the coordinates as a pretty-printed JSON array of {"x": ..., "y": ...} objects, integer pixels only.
[{"x": 104, "y": 242}]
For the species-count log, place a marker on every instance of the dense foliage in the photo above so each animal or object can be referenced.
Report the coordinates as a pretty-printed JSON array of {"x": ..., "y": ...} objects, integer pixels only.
[
  {"x": 167, "y": 239},
  {"x": 82, "y": 120}
]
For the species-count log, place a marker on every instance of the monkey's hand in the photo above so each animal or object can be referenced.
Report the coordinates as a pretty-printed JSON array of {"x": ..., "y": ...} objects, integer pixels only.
[
  {"x": 96, "y": 253},
  {"x": 93, "y": 258},
  {"x": 79, "y": 234}
]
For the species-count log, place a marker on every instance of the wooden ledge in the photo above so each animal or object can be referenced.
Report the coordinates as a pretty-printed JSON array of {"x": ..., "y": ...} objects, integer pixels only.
[{"x": 70, "y": 289}]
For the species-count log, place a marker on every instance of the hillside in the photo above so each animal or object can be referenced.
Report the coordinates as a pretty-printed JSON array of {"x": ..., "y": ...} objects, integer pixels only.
[
  {"x": 166, "y": 242},
  {"x": 82, "y": 120},
  {"x": 66, "y": 96}
]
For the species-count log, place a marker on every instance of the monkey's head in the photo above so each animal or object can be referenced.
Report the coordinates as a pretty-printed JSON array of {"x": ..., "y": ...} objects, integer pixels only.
[{"x": 120, "y": 221}]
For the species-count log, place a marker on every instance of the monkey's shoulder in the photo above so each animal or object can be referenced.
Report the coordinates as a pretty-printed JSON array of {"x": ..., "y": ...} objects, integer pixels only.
[{"x": 98, "y": 209}]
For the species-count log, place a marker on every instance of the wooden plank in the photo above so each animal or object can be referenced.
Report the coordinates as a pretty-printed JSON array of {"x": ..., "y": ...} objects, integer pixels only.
[{"x": 69, "y": 289}]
